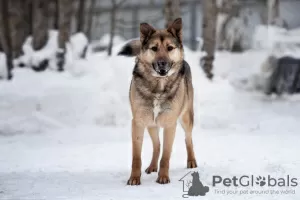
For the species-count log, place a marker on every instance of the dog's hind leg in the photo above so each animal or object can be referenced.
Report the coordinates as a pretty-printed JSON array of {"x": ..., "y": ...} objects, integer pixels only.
[
  {"x": 187, "y": 121},
  {"x": 154, "y": 134}
]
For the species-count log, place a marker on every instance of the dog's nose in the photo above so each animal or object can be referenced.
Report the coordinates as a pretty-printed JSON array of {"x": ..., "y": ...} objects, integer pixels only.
[{"x": 161, "y": 63}]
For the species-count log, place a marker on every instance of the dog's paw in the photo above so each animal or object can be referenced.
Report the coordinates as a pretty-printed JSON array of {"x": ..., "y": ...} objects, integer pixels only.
[
  {"x": 134, "y": 181},
  {"x": 191, "y": 164},
  {"x": 151, "y": 169},
  {"x": 163, "y": 179}
]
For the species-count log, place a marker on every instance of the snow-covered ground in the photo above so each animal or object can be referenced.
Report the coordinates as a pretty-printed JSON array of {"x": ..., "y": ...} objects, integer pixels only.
[{"x": 67, "y": 136}]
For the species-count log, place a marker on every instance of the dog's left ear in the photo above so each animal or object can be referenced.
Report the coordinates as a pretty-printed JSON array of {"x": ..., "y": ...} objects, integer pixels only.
[{"x": 175, "y": 29}]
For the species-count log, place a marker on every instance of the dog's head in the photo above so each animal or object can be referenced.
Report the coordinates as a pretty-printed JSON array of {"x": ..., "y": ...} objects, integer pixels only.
[{"x": 162, "y": 50}]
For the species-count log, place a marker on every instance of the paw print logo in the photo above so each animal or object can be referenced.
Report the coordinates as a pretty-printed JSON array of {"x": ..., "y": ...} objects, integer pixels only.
[{"x": 261, "y": 181}]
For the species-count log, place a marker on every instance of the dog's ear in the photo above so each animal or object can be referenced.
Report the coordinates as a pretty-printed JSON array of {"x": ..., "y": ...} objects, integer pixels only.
[
  {"x": 175, "y": 29},
  {"x": 145, "y": 32}
]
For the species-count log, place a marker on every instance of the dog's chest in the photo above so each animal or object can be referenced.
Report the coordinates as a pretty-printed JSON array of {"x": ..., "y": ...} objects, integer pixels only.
[
  {"x": 156, "y": 108},
  {"x": 159, "y": 106}
]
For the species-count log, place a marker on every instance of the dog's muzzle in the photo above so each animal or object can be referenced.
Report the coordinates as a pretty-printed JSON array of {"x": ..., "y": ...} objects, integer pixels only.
[{"x": 162, "y": 67}]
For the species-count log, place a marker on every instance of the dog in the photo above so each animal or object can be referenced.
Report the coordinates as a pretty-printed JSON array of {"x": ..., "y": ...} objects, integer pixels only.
[{"x": 161, "y": 92}]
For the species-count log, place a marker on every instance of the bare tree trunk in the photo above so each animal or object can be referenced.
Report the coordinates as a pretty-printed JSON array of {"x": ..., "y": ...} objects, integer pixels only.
[
  {"x": 28, "y": 17},
  {"x": 228, "y": 10},
  {"x": 56, "y": 21},
  {"x": 40, "y": 24},
  {"x": 80, "y": 15},
  {"x": 263, "y": 10},
  {"x": 5, "y": 36},
  {"x": 274, "y": 14},
  {"x": 53, "y": 12},
  {"x": 18, "y": 27},
  {"x": 112, "y": 29},
  {"x": 209, "y": 35},
  {"x": 65, "y": 16},
  {"x": 113, "y": 24},
  {"x": 172, "y": 11},
  {"x": 90, "y": 19},
  {"x": 273, "y": 11}
]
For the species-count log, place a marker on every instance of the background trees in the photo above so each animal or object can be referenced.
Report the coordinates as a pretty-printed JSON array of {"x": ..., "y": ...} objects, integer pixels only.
[
  {"x": 209, "y": 35},
  {"x": 221, "y": 24},
  {"x": 5, "y": 36},
  {"x": 113, "y": 15},
  {"x": 40, "y": 24},
  {"x": 80, "y": 15},
  {"x": 171, "y": 11},
  {"x": 65, "y": 10}
]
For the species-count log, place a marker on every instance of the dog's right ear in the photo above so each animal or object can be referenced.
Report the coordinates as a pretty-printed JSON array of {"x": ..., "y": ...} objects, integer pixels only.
[
  {"x": 175, "y": 28},
  {"x": 145, "y": 32}
]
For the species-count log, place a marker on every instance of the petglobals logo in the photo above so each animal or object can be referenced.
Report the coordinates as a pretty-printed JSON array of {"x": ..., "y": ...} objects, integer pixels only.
[
  {"x": 251, "y": 180},
  {"x": 194, "y": 185}
]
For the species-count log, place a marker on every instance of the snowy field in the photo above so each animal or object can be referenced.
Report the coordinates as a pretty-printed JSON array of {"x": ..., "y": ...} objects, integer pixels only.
[{"x": 67, "y": 136}]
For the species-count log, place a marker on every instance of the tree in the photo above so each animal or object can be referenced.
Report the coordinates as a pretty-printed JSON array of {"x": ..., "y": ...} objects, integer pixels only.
[
  {"x": 17, "y": 26},
  {"x": 28, "y": 17},
  {"x": 5, "y": 36},
  {"x": 113, "y": 14},
  {"x": 209, "y": 35},
  {"x": 273, "y": 10},
  {"x": 270, "y": 14},
  {"x": 65, "y": 14},
  {"x": 90, "y": 19},
  {"x": 40, "y": 24},
  {"x": 53, "y": 14},
  {"x": 229, "y": 19},
  {"x": 80, "y": 15},
  {"x": 172, "y": 11}
]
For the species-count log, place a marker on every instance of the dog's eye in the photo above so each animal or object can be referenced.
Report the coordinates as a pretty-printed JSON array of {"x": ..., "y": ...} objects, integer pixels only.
[
  {"x": 170, "y": 48},
  {"x": 154, "y": 48}
]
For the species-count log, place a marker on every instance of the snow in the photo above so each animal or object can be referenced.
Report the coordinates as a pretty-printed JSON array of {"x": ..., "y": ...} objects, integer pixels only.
[
  {"x": 267, "y": 41},
  {"x": 33, "y": 58},
  {"x": 67, "y": 135},
  {"x": 267, "y": 37},
  {"x": 75, "y": 48},
  {"x": 78, "y": 42},
  {"x": 104, "y": 41},
  {"x": 238, "y": 30}
]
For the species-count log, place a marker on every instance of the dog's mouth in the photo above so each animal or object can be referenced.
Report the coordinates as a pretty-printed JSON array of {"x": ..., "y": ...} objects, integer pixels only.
[{"x": 162, "y": 70}]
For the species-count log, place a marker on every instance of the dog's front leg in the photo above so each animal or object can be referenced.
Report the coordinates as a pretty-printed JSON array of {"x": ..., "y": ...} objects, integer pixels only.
[
  {"x": 154, "y": 134},
  {"x": 169, "y": 135},
  {"x": 137, "y": 141}
]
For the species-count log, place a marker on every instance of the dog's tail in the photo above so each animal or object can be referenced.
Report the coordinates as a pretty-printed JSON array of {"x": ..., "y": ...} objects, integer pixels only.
[{"x": 132, "y": 48}]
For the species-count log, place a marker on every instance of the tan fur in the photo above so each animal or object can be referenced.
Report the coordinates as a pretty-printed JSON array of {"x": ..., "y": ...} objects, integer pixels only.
[{"x": 159, "y": 101}]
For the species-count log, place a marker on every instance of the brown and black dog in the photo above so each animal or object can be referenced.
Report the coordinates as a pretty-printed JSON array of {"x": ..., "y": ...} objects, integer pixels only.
[{"x": 161, "y": 92}]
